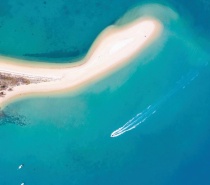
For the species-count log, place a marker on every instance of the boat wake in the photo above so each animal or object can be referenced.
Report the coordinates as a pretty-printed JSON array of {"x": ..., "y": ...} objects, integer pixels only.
[{"x": 151, "y": 109}]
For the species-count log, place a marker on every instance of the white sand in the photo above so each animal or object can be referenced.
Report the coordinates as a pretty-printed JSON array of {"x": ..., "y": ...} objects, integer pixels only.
[{"x": 114, "y": 47}]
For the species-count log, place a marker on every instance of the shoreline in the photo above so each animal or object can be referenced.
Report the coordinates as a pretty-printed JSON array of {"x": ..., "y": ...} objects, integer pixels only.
[{"x": 112, "y": 49}]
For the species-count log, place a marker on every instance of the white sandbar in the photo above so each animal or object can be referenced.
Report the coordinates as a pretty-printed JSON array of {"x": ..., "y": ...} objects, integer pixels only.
[{"x": 114, "y": 47}]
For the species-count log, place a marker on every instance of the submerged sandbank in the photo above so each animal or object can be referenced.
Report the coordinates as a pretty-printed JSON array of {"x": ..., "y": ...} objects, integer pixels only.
[{"x": 113, "y": 48}]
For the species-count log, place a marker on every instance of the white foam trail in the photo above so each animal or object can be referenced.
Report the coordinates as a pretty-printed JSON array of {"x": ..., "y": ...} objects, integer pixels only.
[
  {"x": 151, "y": 109},
  {"x": 135, "y": 121}
]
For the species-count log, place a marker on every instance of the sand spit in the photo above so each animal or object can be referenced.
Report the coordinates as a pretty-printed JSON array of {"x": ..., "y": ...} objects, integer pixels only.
[{"x": 113, "y": 48}]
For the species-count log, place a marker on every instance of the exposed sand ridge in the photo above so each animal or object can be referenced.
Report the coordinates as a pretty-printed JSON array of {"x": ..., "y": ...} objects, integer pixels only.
[{"x": 113, "y": 48}]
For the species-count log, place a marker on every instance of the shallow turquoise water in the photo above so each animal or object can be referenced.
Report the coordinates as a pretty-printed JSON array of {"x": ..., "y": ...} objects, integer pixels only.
[
  {"x": 66, "y": 139},
  {"x": 63, "y": 31}
]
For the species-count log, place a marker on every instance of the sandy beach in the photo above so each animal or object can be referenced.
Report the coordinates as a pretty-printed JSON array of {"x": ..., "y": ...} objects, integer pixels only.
[{"x": 113, "y": 48}]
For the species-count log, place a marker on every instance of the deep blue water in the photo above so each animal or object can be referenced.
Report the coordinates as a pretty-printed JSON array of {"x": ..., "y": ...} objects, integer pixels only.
[{"x": 66, "y": 139}]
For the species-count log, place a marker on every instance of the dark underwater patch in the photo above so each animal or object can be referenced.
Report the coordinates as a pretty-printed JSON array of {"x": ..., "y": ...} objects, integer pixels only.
[
  {"x": 13, "y": 118},
  {"x": 56, "y": 54}
]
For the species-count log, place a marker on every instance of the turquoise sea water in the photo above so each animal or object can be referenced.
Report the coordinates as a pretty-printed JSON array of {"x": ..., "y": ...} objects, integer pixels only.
[{"x": 66, "y": 139}]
